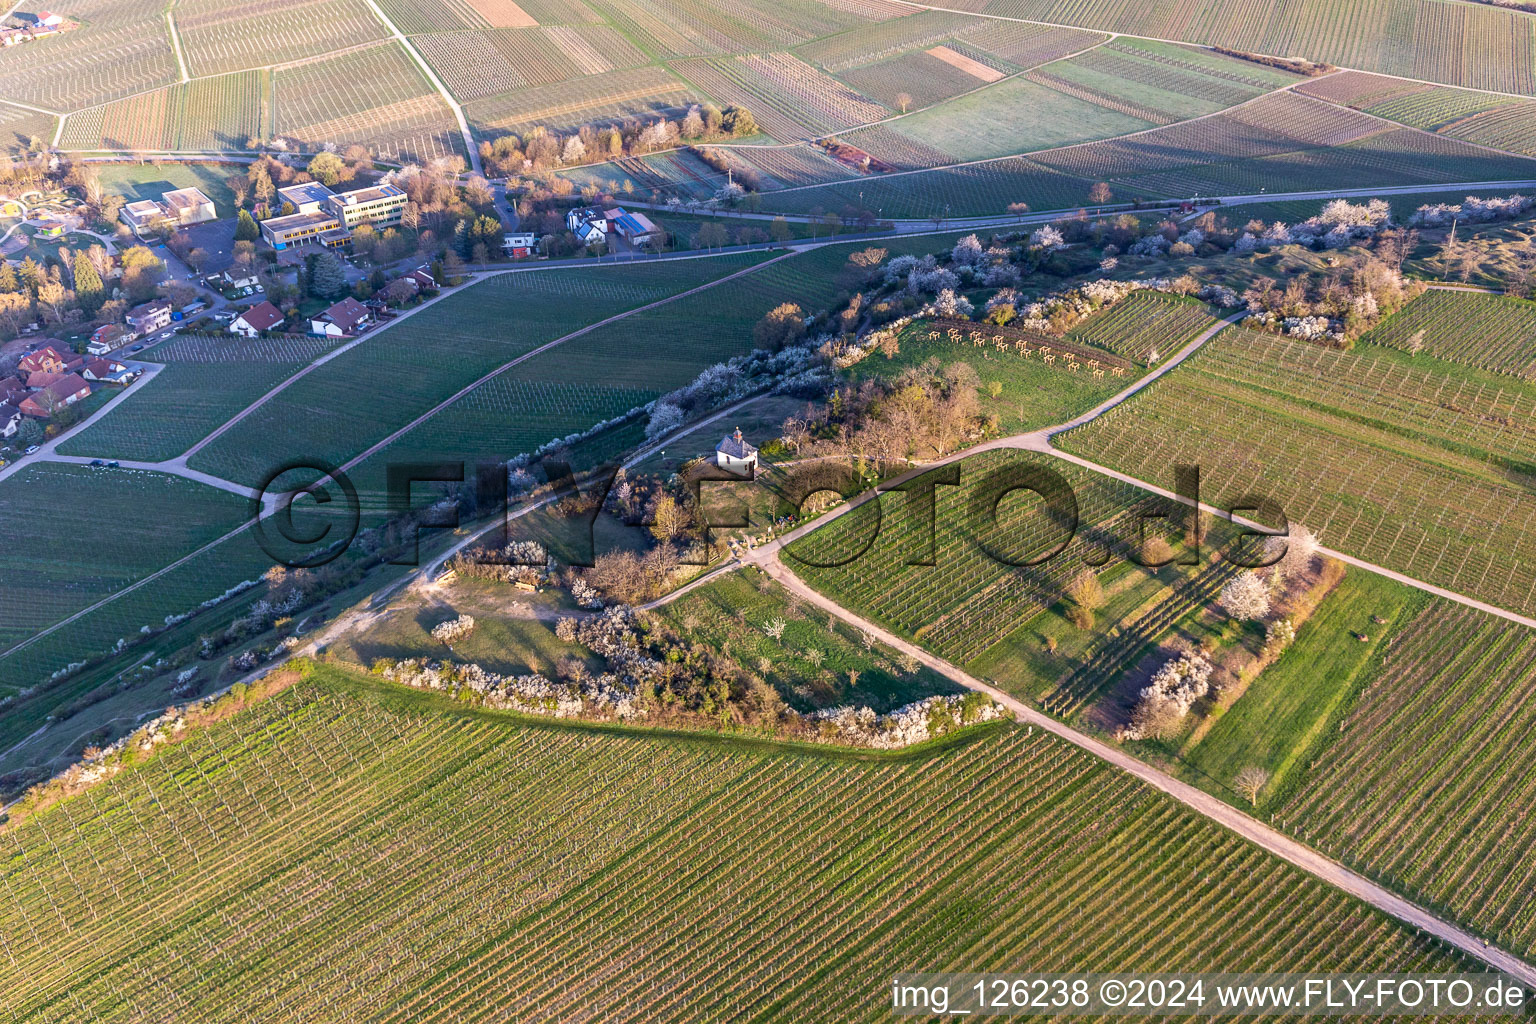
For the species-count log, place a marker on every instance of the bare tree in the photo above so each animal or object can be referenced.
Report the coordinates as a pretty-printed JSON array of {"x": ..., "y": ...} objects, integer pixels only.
[{"x": 1250, "y": 782}]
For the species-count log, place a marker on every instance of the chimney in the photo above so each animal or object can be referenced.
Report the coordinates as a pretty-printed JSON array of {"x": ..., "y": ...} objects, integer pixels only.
[{"x": 738, "y": 435}]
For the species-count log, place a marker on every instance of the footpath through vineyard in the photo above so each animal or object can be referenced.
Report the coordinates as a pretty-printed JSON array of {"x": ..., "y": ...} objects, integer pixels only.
[{"x": 766, "y": 557}]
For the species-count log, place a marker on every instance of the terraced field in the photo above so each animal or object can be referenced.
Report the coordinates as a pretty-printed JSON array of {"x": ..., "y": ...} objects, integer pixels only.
[
  {"x": 1362, "y": 447},
  {"x": 330, "y": 774}
]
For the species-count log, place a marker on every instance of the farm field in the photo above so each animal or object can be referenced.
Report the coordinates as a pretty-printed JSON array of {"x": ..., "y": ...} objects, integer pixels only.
[
  {"x": 18, "y": 127},
  {"x": 790, "y": 99},
  {"x": 477, "y": 64},
  {"x": 1417, "y": 777},
  {"x": 1490, "y": 332},
  {"x": 375, "y": 96},
  {"x": 619, "y": 366},
  {"x": 334, "y": 770},
  {"x": 1143, "y": 323},
  {"x": 967, "y": 600},
  {"x": 972, "y": 190},
  {"x": 479, "y": 328},
  {"x": 151, "y": 520},
  {"x": 207, "y": 380},
  {"x": 205, "y": 115},
  {"x": 922, "y": 76},
  {"x": 603, "y": 98},
  {"x": 1015, "y": 116},
  {"x": 1361, "y": 447},
  {"x": 121, "y": 48},
  {"x": 217, "y": 40},
  {"x": 1475, "y": 46}
]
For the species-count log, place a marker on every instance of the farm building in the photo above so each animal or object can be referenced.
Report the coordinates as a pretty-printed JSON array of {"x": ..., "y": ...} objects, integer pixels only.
[
  {"x": 346, "y": 317},
  {"x": 735, "y": 455},
  {"x": 635, "y": 228},
  {"x": 65, "y": 391},
  {"x": 261, "y": 317},
  {"x": 328, "y": 217},
  {"x": 151, "y": 316}
]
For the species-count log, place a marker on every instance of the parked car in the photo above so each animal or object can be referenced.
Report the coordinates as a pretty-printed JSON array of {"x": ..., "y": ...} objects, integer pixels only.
[
  {"x": 112, "y": 464},
  {"x": 31, "y": 449},
  {"x": 97, "y": 462}
]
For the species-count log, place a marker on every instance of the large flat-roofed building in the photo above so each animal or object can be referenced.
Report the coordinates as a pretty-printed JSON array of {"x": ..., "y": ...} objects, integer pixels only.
[
  {"x": 188, "y": 206},
  {"x": 328, "y": 217},
  {"x": 298, "y": 229},
  {"x": 142, "y": 215},
  {"x": 379, "y": 205},
  {"x": 306, "y": 198}
]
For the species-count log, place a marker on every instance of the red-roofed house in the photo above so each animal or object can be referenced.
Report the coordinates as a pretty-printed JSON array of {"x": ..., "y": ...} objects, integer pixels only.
[
  {"x": 48, "y": 359},
  {"x": 344, "y": 318},
  {"x": 11, "y": 387},
  {"x": 261, "y": 317},
  {"x": 105, "y": 339},
  {"x": 65, "y": 391},
  {"x": 43, "y": 378}
]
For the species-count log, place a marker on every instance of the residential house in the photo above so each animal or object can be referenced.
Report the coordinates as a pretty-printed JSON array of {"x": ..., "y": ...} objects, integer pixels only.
[
  {"x": 236, "y": 277},
  {"x": 48, "y": 19},
  {"x": 581, "y": 215},
  {"x": 10, "y": 419},
  {"x": 519, "y": 244},
  {"x": 108, "y": 371},
  {"x": 48, "y": 359},
  {"x": 38, "y": 379},
  {"x": 63, "y": 392},
  {"x": 735, "y": 455},
  {"x": 345, "y": 318},
  {"x": 261, "y": 317},
  {"x": 149, "y": 317},
  {"x": 11, "y": 389},
  {"x": 422, "y": 275},
  {"x": 105, "y": 339}
]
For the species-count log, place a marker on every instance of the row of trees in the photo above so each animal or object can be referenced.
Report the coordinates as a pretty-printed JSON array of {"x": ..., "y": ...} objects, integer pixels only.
[{"x": 539, "y": 149}]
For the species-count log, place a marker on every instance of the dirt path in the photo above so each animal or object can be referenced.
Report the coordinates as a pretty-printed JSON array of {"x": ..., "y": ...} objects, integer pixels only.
[{"x": 1255, "y": 831}]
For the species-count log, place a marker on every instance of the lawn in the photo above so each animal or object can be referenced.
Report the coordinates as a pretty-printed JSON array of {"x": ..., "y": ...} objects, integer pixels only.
[
  {"x": 149, "y": 181},
  {"x": 816, "y": 662},
  {"x": 1281, "y": 719}
]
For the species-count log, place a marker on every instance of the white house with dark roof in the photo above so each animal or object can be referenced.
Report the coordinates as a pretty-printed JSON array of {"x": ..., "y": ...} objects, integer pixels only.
[{"x": 735, "y": 455}]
